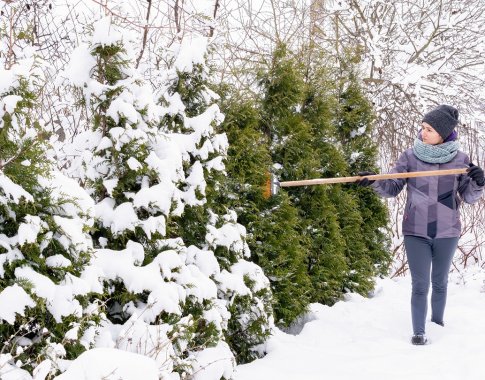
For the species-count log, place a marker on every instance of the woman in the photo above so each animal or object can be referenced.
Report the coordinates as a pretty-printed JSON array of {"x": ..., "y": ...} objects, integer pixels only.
[{"x": 431, "y": 222}]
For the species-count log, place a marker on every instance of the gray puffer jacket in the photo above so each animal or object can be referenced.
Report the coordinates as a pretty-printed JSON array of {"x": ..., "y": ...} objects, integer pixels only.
[{"x": 432, "y": 202}]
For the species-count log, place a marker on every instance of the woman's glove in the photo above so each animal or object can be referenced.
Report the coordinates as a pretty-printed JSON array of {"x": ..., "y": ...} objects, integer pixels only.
[
  {"x": 364, "y": 182},
  {"x": 476, "y": 174}
]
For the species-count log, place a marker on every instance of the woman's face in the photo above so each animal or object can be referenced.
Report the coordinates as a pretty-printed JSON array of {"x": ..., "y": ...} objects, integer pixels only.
[{"x": 429, "y": 135}]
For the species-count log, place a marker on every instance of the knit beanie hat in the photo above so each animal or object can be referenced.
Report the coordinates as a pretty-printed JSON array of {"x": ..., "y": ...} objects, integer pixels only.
[{"x": 443, "y": 119}]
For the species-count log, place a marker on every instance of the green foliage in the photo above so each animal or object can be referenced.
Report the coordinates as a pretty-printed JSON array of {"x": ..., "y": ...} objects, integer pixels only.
[
  {"x": 23, "y": 147},
  {"x": 244, "y": 341},
  {"x": 192, "y": 89},
  {"x": 368, "y": 253},
  {"x": 38, "y": 324},
  {"x": 316, "y": 242},
  {"x": 267, "y": 220},
  {"x": 22, "y": 139},
  {"x": 191, "y": 86},
  {"x": 303, "y": 146},
  {"x": 203, "y": 333},
  {"x": 248, "y": 325},
  {"x": 280, "y": 249}
]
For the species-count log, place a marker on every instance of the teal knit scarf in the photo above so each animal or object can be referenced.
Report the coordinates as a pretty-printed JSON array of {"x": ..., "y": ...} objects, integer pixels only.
[{"x": 436, "y": 154}]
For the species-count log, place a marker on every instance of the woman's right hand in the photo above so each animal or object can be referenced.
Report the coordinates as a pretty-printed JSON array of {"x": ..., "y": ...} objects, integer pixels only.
[{"x": 364, "y": 182}]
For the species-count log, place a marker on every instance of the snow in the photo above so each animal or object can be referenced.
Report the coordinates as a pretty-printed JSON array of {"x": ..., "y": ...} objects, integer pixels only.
[
  {"x": 107, "y": 363},
  {"x": 124, "y": 266},
  {"x": 117, "y": 219},
  {"x": 14, "y": 300},
  {"x": 12, "y": 190},
  {"x": 10, "y": 102},
  {"x": 7, "y": 79},
  {"x": 124, "y": 218},
  {"x": 29, "y": 230},
  {"x": 138, "y": 337},
  {"x": 76, "y": 68},
  {"x": 105, "y": 33},
  {"x": 59, "y": 299},
  {"x": 365, "y": 338},
  {"x": 192, "y": 51},
  {"x": 354, "y": 157},
  {"x": 232, "y": 283},
  {"x": 204, "y": 260},
  {"x": 57, "y": 261},
  {"x": 157, "y": 196},
  {"x": 230, "y": 235},
  {"x": 370, "y": 338},
  {"x": 359, "y": 132},
  {"x": 154, "y": 224},
  {"x": 61, "y": 188},
  {"x": 74, "y": 234},
  {"x": 206, "y": 368},
  {"x": 134, "y": 164},
  {"x": 10, "y": 372},
  {"x": 110, "y": 185},
  {"x": 123, "y": 108},
  {"x": 253, "y": 271}
]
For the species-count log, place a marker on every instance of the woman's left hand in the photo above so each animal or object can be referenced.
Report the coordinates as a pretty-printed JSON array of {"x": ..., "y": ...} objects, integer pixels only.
[{"x": 476, "y": 174}]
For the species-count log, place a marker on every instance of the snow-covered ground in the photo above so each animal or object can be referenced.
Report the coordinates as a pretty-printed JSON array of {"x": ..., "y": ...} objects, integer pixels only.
[{"x": 369, "y": 339}]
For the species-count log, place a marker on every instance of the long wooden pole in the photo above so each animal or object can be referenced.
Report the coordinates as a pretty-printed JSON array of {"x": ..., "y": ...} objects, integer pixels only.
[{"x": 322, "y": 181}]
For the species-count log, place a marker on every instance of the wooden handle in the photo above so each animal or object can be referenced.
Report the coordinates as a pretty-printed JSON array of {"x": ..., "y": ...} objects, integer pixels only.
[{"x": 322, "y": 181}]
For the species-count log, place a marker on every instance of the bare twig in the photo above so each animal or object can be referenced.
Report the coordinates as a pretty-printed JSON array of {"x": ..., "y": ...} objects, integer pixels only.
[{"x": 145, "y": 34}]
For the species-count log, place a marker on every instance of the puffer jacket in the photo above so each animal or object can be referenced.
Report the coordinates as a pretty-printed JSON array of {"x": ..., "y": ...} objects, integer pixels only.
[{"x": 432, "y": 206}]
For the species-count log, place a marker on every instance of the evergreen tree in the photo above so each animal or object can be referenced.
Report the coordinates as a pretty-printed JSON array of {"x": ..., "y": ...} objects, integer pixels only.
[
  {"x": 273, "y": 231},
  {"x": 153, "y": 170},
  {"x": 43, "y": 221},
  {"x": 154, "y": 285},
  {"x": 300, "y": 118},
  {"x": 208, "y": 220},
  {"x": 297, "y": 121},
  {"x": 355, "y": 122}
]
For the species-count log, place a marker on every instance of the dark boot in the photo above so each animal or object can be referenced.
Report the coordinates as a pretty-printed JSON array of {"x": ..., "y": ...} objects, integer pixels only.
[{"x": 419, "y": 339}]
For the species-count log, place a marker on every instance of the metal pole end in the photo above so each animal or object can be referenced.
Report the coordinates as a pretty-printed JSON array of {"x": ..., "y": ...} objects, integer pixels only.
[{"x": 275, "y": 185}]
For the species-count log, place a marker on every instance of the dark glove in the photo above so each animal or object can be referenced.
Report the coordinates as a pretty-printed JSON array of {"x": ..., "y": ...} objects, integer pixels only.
[
  {"x": 364, "y": 182},
  {"x": 476, "y": 174}
]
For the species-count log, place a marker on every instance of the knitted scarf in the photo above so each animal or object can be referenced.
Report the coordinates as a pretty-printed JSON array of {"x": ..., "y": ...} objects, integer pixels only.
[{"x": 435, "y": 154}]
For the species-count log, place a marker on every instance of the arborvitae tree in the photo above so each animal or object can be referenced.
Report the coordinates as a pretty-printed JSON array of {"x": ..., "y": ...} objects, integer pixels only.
[
  {"x": 273, "y": 224},
  {"x": 209, "y": 214},
  {"x": 43, "y": 241},
  {"x": 355, "y": 122},
  {"x": 320, "y": 109},
  {"x": 302, "y": 146},
  {"x": 325, "y": 207},
  {"x": 299, "y": 116}
]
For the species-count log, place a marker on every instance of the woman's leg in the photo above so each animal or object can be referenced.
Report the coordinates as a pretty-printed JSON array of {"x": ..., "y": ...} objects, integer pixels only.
[
  {"x": 443, "y": 251},
  {"x": 418, "y": 252}
]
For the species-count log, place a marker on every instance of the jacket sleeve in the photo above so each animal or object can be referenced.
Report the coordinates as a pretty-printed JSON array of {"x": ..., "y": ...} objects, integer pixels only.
[
  {"x": 389, "y": 188},
  {"x": 468, "y": 189}
]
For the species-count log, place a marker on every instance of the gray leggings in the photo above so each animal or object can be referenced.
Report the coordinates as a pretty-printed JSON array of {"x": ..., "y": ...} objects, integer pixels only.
[{"x": 425, "y": 257}]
